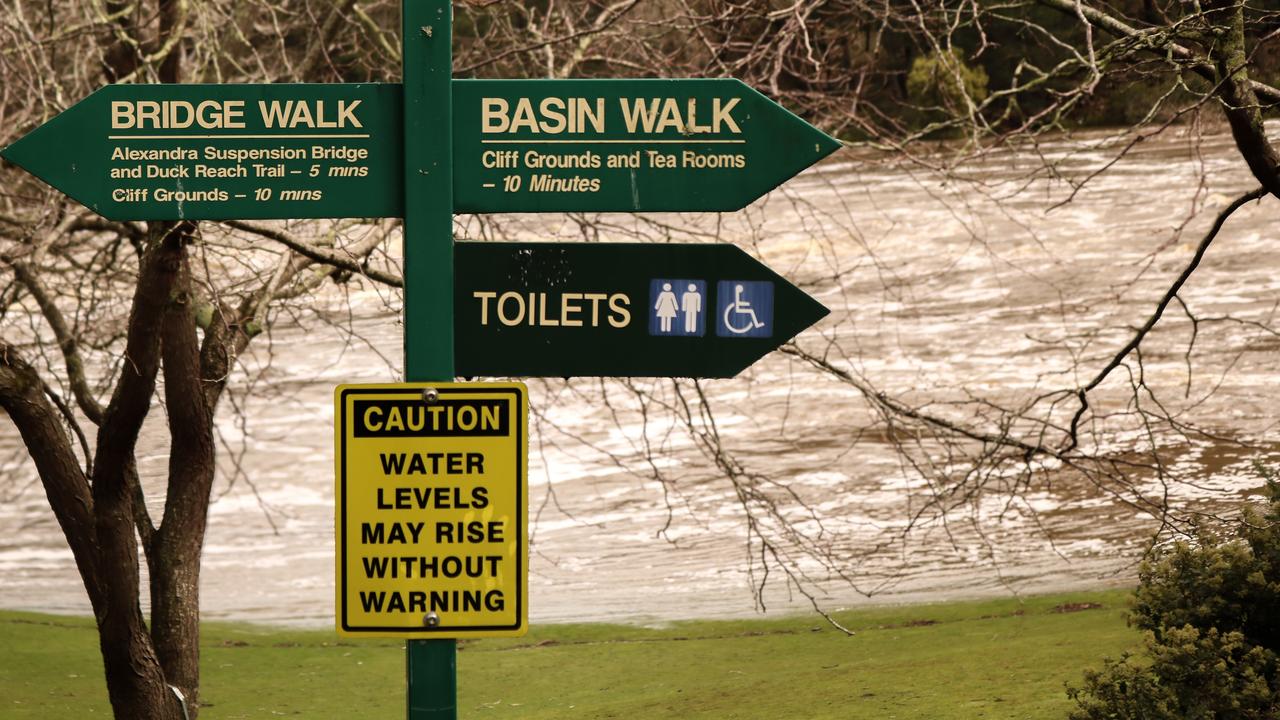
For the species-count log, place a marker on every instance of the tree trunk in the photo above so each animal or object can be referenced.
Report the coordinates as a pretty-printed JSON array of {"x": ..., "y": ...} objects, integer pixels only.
[
  {"x": 178, "y": 545},
  {"x": 135, "y": 684},
  {"x": 136, "y": 680},
  {"x": 1240, "y": 101},
  {"x": 175, "y": 618}
]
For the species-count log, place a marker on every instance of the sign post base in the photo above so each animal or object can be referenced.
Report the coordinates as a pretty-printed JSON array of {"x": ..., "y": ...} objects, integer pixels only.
[{"x": 432, "y": 672}]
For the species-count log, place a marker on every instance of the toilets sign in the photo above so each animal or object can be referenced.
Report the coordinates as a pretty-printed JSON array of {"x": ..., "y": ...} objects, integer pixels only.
[{"x": 619, "y": 310}]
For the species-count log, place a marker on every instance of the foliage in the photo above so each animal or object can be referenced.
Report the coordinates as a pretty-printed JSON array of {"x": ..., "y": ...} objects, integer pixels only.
[
  {"x": 945, "y": 81},
  {"x": 1209, "y": 609}
]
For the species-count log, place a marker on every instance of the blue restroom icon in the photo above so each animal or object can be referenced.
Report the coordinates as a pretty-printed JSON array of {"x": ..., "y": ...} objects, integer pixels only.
[{"x": 744, "y": 309}]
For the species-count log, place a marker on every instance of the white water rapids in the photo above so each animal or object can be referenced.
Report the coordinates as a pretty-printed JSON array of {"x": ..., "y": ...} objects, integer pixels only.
[{"x": 938, "y": 289}]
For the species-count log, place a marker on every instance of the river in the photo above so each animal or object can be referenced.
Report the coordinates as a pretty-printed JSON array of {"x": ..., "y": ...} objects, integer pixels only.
[{"x": 940, "y": 288}]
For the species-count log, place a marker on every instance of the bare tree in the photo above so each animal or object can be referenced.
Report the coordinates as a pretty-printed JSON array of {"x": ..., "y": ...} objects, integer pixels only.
[
  {"x": 946, "y": 90},
  {"x": 137, "y": 313},
  {"x": 136, "y": 316}
]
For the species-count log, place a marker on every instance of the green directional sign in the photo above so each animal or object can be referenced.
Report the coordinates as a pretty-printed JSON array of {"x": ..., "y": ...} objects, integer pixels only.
[
  {"x": 213, "y": 152},
  {"x": 622, "y": 310},
  {"x": 623, "y": 145}
]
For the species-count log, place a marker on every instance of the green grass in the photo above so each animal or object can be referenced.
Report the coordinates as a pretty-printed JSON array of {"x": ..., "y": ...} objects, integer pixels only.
[{"x": 989, "y": 659}]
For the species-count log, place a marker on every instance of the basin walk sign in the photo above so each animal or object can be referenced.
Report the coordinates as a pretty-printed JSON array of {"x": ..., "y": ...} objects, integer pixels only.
[
  {"x": 422, "y": 150},
  {"x": 623, "y": 145}
]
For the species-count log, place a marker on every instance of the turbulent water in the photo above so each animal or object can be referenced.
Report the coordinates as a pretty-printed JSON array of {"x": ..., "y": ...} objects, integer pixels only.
[{"x": 986, "y": 285}]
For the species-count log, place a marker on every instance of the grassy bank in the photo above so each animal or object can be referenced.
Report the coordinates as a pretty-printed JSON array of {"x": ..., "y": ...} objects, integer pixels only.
[{"x": 991, "y": 659}]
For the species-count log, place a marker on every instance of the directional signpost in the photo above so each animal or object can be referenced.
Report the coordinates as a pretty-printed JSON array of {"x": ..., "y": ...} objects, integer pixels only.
[
  {"x": 220, "y": 152},
  {"x": 619, "y": 310},
  {"x": 431, "y": 477},
  {"x": 431, "y": 666}
]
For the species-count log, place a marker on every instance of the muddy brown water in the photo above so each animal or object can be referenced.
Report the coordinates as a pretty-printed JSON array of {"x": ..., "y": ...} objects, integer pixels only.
[{"x": 939, "y": 289}]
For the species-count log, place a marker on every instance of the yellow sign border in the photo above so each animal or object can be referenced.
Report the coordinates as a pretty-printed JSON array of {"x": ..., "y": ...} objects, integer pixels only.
[{"x": 520, "y": 428}]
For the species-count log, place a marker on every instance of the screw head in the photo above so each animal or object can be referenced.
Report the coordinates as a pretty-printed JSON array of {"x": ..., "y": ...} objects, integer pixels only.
[
  {"x": 431, "y": 620},
  {"x": 430, "y": 396}
]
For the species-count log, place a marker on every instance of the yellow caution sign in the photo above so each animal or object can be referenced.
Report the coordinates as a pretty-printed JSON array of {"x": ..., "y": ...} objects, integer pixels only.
[{"x": 432, "y": 510}]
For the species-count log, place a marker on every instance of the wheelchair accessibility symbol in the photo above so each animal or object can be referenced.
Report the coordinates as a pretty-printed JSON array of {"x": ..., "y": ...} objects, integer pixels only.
[{"x": 744, "y": 309}]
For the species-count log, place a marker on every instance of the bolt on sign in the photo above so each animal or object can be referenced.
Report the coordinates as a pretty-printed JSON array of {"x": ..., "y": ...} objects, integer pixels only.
[{"x": 431, "y": 511}]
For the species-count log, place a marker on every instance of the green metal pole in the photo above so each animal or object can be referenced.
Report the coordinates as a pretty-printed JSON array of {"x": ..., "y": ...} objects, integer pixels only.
[{"x": 431, "y": 665}]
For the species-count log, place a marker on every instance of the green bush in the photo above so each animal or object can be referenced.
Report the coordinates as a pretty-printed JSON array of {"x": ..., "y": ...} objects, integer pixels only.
[
  {"x": 943, "y": 80},
  {"x": 1210, "y": 609}
]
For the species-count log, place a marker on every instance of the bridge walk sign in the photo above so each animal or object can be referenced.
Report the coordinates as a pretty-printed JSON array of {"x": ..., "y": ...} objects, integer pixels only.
[
  {"x": 219, "y": 152},
  {"x": 432, "y": 512}
]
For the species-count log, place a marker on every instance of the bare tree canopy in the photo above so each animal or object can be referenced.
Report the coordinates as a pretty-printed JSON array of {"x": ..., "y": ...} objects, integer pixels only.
[{"x": 106, "y": 324}]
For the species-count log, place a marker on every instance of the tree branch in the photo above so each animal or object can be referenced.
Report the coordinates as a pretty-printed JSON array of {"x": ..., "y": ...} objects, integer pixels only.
[
  {"x": 619, "y": 13},
  {"x": 175, "y": 580},
  {"x": 1157, "y": 42},
  {"x": 1161, "y": 306},
  {"x": 893, "y": 407},
  {"x": 121, "y": 57},
  {"x": 335, "y": 258},
  {"x": 319, "y": 52},
  {"x": 190, "y": 418},
  {"x": 134, "y": 673},
  {"x": 1240, "y": 101},
  {"x": 131, "y": 400},
  {"x": 65, "y": 484},
  {"x": 67, "y": 341}
]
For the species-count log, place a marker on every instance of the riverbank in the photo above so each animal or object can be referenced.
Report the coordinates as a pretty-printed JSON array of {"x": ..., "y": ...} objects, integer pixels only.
[{"x": 987, "y": 659}]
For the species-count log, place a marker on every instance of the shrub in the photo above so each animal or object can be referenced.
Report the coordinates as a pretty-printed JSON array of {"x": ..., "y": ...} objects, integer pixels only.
[
  {"x": 1210, "y": 612},
  {"x": 942, "y": 81}
]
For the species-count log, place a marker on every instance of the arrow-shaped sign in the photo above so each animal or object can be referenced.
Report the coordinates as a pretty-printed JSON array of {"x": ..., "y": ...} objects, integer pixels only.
[
  {"x": 216, "y": 152},
  {"x": 623, "y": 145},
  {"x": 620, "y": 310}
]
